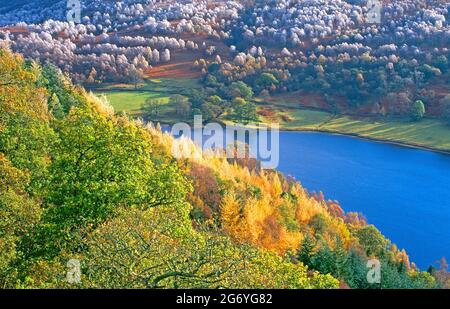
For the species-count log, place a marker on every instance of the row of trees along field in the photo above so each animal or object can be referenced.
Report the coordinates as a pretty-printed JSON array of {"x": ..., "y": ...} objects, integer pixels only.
[
  {"x": 357, "y": 85},
  {"x": 78, "y": 182},
  {"x": 233, "y": 102}
]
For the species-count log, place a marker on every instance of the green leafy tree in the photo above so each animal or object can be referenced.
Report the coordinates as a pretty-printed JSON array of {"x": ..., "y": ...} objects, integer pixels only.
[
  {"x": 213, "y": 107},
  {"x": 244, "y": 111},
  {"x": 421, "y": 280},
  {"x": 324, "y": 260},
  {"x": 240, "y": 89},
  {"x": 101, "y": 163},
  {"x": 211, "y": 81},
  {"x": 445, "y": 102},
  {"x": 354, "y": 271},
  {"x": 152, "y": 107},
  {"x": 55, "y": 107},
  {"x": 442, "y": 63},
  {"x": 59, "y": 85},
  {"x": 182, "y": 105},
  {"x": 136, "y": 250},
  {"x": 372, "y": 240},
  {"x": 417, "y": 110},
  {"x": 197, "y": 97},
  {"x": 430, "y": 71},
  {"x": 306, "y": 251},
  {"x": 266, "y": 81}
]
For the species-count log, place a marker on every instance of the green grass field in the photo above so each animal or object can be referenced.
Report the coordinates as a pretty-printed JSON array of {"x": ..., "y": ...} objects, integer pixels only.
[
  {"x": 129, "y": 101},
  {"x": 429, "y": 133},
  {"x": 125, "y": 98}
]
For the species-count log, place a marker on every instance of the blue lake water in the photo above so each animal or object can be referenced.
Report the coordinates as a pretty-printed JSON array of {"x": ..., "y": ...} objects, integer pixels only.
[{"x": 405, "y": 192}]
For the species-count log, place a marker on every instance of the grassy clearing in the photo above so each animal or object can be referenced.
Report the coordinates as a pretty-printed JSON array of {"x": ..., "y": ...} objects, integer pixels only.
[
  {"x": 171, "y": 85},
  {"x": 431, "y": 133},
  {"x": 129, "y": 101},
  {"x": 125, "y": 98}
]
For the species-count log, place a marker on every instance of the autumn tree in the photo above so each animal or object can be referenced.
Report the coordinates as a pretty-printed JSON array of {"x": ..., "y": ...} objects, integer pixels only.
[
  {"x": 205, "y": 185},
  {"x": 441, "y": 274},
  {"x": 91, "y": 77},
  {"x": 135, "y": 76},
  {"x": 230, "y": 212},
  {"x": 25, "y": 133}
]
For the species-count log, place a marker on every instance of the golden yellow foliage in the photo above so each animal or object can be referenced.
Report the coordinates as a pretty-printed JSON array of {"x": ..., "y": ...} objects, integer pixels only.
[
  {"x": 253, "y": 211},
  {"x": 231, "y": 215}
]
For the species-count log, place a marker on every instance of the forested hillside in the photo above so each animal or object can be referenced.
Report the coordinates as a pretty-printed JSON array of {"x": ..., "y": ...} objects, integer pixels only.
[
  {"x": 327, "y": 54},
  {"x": 79, "y": 182}
]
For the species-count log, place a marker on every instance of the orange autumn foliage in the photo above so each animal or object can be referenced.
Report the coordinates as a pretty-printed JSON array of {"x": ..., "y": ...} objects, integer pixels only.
[
  {"x": 263, "y": 207},
  {"x": 259, "y": 207}
]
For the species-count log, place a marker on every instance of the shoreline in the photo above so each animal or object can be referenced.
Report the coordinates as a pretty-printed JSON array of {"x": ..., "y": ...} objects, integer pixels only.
[
  {"x": 356, "y": 135},
  {"x": 372, "y": 139}
]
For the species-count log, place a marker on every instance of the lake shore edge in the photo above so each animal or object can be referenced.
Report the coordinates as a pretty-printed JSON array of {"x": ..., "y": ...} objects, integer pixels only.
[
  {"x": 373, "y": 139},
  {"x": 348, "y": 134}
]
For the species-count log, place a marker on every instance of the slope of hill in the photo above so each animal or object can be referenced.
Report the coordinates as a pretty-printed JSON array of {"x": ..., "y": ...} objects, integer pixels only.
[{"x": 80, "y": 184}]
